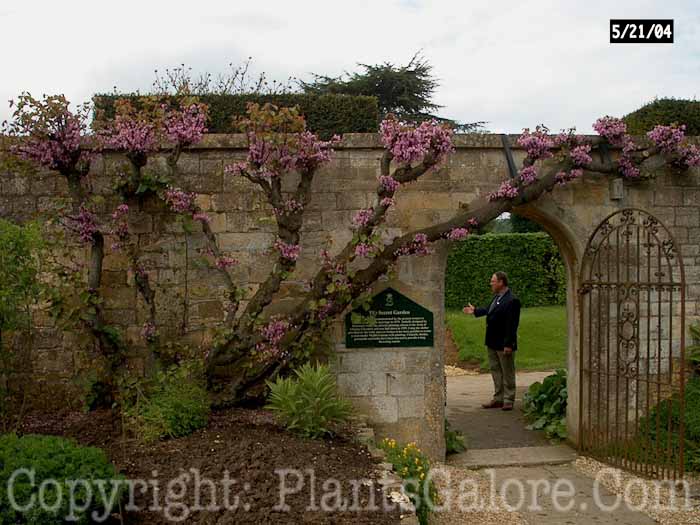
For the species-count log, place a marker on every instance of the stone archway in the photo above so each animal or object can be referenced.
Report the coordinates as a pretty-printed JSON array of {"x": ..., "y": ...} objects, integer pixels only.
[
  {"x": 561, "y": 227},
  {"x": 488, "y": 431}
]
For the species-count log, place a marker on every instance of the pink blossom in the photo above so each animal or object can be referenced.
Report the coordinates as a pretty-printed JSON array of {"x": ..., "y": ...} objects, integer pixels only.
[
  {"x": 689, "y": 155},
  {"x": 225, "y": 262},
  {"x": 418, "y": 246},
  {"x": 57, "y": 151},
  {"x": 473, "y": 222},
  {"x": 85, "y": 224},
  {"x": 288, "y": 251},
  {"x": 562, "y": 177},
  {"x": 131, "y": 134},
  {"x": 50, "y": 133},
  {"x": 408, "y": 143},
  {"x": 627, "y": 167},
  {"x": 611, "y": 128},
  {"x": 186, "y": 125},
  {"x": 580, "y": 155},
  {"x": 235, "y": 169},
  {"x": 180, "y": 201},
  {"x": 289, "y": 206},
  {"x": 272, "y": 334},
  {"x": 201, "y": 217},
  {"x": 120, "y": 227},
  {"x": 389, "y": 183},
  {"x": 614, "y": 130},
  {"x": 311, "y": 152},
  {"x": 667, "y": 138},
  {"x": 536, "y": 143},
  {"x": 505, "y": 191},
  {"x": 387, "y": 202},
  {"x": 120, "y": 211},
  {"x": 458, "y": 234},
  {"x": 301, "y": 152},
  {"x": 528, "y": 175},
  {"x": 364, "y": 249},
  {"x": 363, "y": 217}
]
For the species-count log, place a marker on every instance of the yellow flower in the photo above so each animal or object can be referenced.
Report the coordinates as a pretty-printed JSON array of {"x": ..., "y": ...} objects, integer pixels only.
[{"x": 422, "y": 475}]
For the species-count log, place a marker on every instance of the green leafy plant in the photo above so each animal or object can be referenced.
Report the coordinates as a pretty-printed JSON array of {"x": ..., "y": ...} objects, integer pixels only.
[
  {"x": 20, "y": 291},
  {"x": 413, "y": 466},
  {"x": 652, "y": 436},
  {"x": 62, "y": 461},
  {"x": 454, "y": 440},
  {"x": 308, "y": 402},
  {"x": 174, "y": 405},
  {"x": 545, "y": 405}
]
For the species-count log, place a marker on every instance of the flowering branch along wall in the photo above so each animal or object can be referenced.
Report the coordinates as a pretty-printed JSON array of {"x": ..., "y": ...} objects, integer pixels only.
[{"x": 284, "y": 162}]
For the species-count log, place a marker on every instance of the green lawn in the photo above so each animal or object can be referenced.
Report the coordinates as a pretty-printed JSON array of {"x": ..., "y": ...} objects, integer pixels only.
[{"x": 542, "y": 338}]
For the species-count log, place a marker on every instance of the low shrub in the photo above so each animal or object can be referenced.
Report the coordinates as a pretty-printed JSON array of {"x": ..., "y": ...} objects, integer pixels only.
[
  {"x": 325, "y": 115},
  {"x": 176, "y": 404},
  {"x": 545, "y": 405},
  {"x": 665, "y": 111},
  {"x": 308, "y": 402},
  {"x": 668, "y": 413},
  {"x": 454, "y": 440},
  {"x": 413, "y": 466},
  {"x": 63, "y": 462}
]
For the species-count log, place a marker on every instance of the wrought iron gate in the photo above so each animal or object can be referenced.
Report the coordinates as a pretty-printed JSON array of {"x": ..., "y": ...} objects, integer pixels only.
[{"x": 632, "y": 346}]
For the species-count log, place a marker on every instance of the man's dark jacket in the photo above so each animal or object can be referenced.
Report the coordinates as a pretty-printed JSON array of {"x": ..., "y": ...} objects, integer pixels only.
[{"x": 502, "y": 321}]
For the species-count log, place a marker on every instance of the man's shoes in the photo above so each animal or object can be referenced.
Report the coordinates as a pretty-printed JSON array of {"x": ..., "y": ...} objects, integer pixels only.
[
  {"x": 493, "y": 404},
  {"x": 507, "y": 406}
]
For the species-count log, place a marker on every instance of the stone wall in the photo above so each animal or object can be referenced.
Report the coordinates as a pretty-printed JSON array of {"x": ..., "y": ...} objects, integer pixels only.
[{"x": 402, "y": 390}]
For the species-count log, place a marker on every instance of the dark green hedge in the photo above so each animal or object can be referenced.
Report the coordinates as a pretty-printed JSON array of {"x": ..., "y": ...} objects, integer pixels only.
[
  {"x": 665, "y": 111},
  {"x": 531, "y": 260},
  {"x": 325, "y": 114}
]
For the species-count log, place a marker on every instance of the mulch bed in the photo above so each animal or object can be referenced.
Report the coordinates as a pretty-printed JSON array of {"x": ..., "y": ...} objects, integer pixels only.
[{"x": 250, "y": 447}]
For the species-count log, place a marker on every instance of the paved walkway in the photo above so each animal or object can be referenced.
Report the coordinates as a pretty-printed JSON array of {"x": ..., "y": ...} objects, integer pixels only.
[
  {"x": 519, "y": 464},
  {"x": 495, "y": 428}
]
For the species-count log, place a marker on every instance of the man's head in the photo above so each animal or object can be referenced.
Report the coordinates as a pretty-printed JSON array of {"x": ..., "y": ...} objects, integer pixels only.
[{"x": 499, "y": 282}]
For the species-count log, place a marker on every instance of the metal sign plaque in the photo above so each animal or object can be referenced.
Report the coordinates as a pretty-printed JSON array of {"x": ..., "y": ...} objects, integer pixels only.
[{"x": 390, "y": 320}]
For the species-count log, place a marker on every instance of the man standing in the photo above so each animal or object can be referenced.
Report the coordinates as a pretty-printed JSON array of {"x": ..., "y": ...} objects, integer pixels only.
[{"x": 502, "y": 318}]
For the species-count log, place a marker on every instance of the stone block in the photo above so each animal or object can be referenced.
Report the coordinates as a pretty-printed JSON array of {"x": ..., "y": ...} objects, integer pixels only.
[
  {"x": 413, "y": 406},
  {"x": 351, "y": 200},
  {"x": 406, "y": 384},
  {"x": 668, "y": 197},
  {"x": 379, "y": 409},
  {"x": 250, "y": 242},
  {"x": 336, "y": 220},
  {"x": 188, "y": 164},
  {"x": 140, "y": 223},
  {"x": 362, "y": 384},
  {"x": 688, "y": 217},
  {"x": 217, "y": 222}
]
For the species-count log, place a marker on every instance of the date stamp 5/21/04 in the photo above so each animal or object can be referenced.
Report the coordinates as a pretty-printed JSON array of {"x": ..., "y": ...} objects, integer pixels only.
[{"x": 641, "y": 31}]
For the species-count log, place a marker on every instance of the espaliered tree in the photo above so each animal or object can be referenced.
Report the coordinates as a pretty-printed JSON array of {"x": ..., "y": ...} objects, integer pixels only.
[{"x": 252, "y": 346}]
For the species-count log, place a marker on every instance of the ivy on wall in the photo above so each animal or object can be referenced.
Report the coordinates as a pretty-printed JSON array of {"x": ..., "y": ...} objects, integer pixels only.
[
  {"x": 325, "y": 115},
  {"x": 531, "y": 260}
]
